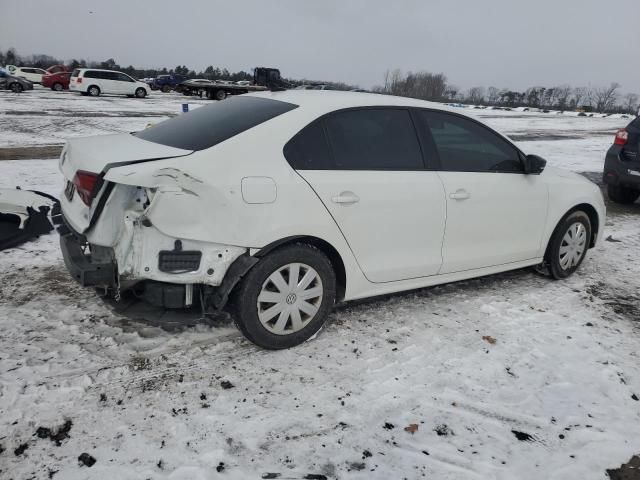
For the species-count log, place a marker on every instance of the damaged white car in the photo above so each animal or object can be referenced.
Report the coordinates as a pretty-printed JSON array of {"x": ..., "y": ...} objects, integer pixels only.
[{"x": 288, "y": 202}]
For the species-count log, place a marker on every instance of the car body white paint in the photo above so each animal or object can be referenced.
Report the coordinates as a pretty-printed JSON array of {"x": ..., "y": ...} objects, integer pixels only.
[
  {"x": 398, "y": 236},
  {"x": 126, "y": 85},
  {"x": 33, "y": 74}
]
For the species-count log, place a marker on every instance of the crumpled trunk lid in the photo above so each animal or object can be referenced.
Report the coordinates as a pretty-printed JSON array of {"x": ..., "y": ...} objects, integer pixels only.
[{"x": 98, "y": 154}]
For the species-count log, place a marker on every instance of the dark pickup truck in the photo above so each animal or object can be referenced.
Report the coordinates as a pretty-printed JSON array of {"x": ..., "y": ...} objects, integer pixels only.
[{"x": 166, "y": 83}]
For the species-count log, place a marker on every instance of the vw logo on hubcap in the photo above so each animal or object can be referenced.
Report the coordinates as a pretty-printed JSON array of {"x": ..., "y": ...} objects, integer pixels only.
[{"x": 291, "y": 298}]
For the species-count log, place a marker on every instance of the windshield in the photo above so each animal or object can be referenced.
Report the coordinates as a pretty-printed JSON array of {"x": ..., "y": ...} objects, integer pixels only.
[{"x": 207, "y": 126}]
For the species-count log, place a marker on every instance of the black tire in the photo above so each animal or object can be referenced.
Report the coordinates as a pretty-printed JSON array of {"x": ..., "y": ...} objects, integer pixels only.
[
  {"x": 622, "y": 195},
  {"x": 153, "y": 87},
  {"x": 141, "y": 92},
  {"x": 165, "y": 89},
  {"x": 57, "y": 87},
  {"x": 93, "y": 91},
  {"x": 16, "y": 87},
  {"x": 245, "y": 296},
  {"x": 220, "y": 95},
  {"x": 554, "y": 257}
]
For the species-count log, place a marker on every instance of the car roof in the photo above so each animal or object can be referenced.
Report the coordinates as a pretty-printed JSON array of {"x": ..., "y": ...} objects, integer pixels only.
[
  {"x": 330, "y": 100},
  {"x": 315, "y": 103},
  {"x": 98, "y": 70}
]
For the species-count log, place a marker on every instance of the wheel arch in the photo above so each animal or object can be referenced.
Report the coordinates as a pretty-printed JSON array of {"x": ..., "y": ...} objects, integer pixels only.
[
  {"x": 592, "y": 213},
  {"x": 594, "y": 219},
  {"x": 325, "y": 247}
]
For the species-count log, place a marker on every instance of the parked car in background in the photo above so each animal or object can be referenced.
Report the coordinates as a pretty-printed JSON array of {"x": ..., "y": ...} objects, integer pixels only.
[
  {"x": 13, "y": 83},
  {"x": 622, "y": 165},
  {"x": 287, "y": 202},
  {"x": 94, "y": 82},
  {"x": 57, "y": 69},
  {"x": 33, "y": 74},
  {"x": 57, "y": 81},
  {"x": 166, "y": 83}
]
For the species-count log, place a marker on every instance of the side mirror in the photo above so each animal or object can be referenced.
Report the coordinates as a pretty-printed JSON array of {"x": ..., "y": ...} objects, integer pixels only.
[{"x": 534, "y": 165}]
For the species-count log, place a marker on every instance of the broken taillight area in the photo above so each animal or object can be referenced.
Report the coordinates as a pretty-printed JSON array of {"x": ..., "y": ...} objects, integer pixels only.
[
  {"x": 85, "y": 183},
  {"x": 621, "y": 138}
]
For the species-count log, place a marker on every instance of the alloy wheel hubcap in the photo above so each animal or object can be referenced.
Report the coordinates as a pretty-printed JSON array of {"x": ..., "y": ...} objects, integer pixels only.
[
  {"x": 289, "y": 299},
  {"x": 573, "y": 245}
]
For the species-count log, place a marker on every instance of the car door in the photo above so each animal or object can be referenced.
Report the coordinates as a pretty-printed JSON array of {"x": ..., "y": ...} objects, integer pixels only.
[
  {"x": 367, "y": 167},
  {"x": 110, "y": 82},
  {"x": 38, "y": 74},
  {"x": 495, "y": 212},
  {"x": 126, "y": 84}
]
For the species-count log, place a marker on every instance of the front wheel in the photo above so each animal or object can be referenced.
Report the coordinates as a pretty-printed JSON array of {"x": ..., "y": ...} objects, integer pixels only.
[
  {"x": 622, "y": 195},
  {"x": 16, "y": 87},
  {"x": 141, "y": 92},
  {"x": 220, "y": 95},
  {"x": 286, "y": 297},
  {"x": 568, "y": 245},
  {"x": 57, "y": 87}
]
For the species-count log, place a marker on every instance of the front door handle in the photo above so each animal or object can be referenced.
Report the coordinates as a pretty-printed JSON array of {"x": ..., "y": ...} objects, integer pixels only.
[
  {"x": 345, "y": 198},
  {"x": 460, "y": 194}
]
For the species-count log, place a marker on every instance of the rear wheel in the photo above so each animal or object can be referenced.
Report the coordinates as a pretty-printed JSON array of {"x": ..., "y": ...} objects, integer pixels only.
[
  {"x": 220, "y": 95},
  {"x": 623, "y": 195},
  {"x": 141, "y": 92},
  {"x": 286, "y": 297},
  {"x": 568, "y": 245},
  {"x": 93, "y": 90},
  {"x": 57, "y": 87},
  {"x": 166, "y": 89},
  {"x": 16, "y": 87}
]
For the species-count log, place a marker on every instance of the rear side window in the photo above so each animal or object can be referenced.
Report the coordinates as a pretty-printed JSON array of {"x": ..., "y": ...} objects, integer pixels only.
[
  {"x": 308, "y": 150},
  {"x": 465, "y": 146},
  {"x": 91, "y": 74},
  {"x": 373, "y": 139},
  {"x": 212, "y": 124}
]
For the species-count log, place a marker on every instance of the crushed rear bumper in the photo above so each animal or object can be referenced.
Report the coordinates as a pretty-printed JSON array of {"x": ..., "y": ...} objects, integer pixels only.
[{"x": 87, "y": 269}]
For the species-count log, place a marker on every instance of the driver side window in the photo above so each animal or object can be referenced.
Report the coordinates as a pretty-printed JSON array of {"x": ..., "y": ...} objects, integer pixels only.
[{"x": 465, "y": 146}]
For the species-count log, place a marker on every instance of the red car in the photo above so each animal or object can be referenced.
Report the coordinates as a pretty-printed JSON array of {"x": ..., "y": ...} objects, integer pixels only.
[{"x": 56, "y": 81}]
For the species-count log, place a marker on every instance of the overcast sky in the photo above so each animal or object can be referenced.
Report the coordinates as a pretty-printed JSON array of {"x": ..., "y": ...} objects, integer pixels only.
[{"x": 506, "y": 43}]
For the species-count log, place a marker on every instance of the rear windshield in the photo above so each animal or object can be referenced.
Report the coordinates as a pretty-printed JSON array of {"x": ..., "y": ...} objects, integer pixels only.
[
  {"x": 76, "y": 73},
  {"x": 207, "y": 126}
]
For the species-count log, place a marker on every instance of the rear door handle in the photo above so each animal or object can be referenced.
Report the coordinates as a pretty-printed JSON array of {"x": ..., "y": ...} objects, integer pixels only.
[
  {"x": 460, "y": 194},
  {"x": 345, "y": 198}
]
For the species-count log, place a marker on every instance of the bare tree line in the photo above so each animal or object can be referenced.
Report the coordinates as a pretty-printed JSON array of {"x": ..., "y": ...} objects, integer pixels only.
[
  {"x": 423, "y": 85},
  {"x": 435, "y": 87}
]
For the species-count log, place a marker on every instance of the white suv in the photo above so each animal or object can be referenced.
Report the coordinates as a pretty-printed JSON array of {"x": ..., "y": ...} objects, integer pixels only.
[
  {"x": 90, "y": 81},
  {"x": 288, "y": 202},
  {"x": 33, "y": 74}
]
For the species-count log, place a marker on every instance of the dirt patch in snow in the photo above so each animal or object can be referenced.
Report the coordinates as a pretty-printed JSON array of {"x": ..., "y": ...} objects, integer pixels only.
[{"x": 30, "y": 153}]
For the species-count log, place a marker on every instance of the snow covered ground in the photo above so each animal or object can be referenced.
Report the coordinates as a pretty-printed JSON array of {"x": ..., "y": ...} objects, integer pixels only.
[{"x": 512, "y": 376}]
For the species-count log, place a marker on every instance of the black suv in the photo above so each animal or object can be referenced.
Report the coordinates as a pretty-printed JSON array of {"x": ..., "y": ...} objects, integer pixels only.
[{"x": 622, "y": 165}]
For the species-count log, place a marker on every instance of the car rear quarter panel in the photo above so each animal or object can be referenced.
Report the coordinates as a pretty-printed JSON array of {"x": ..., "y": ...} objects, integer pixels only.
[{"x": 200, "y": 197}]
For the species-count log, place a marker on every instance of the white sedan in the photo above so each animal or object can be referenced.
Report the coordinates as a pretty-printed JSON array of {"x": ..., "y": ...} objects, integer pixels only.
[{"x": 288, "y": 202}]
